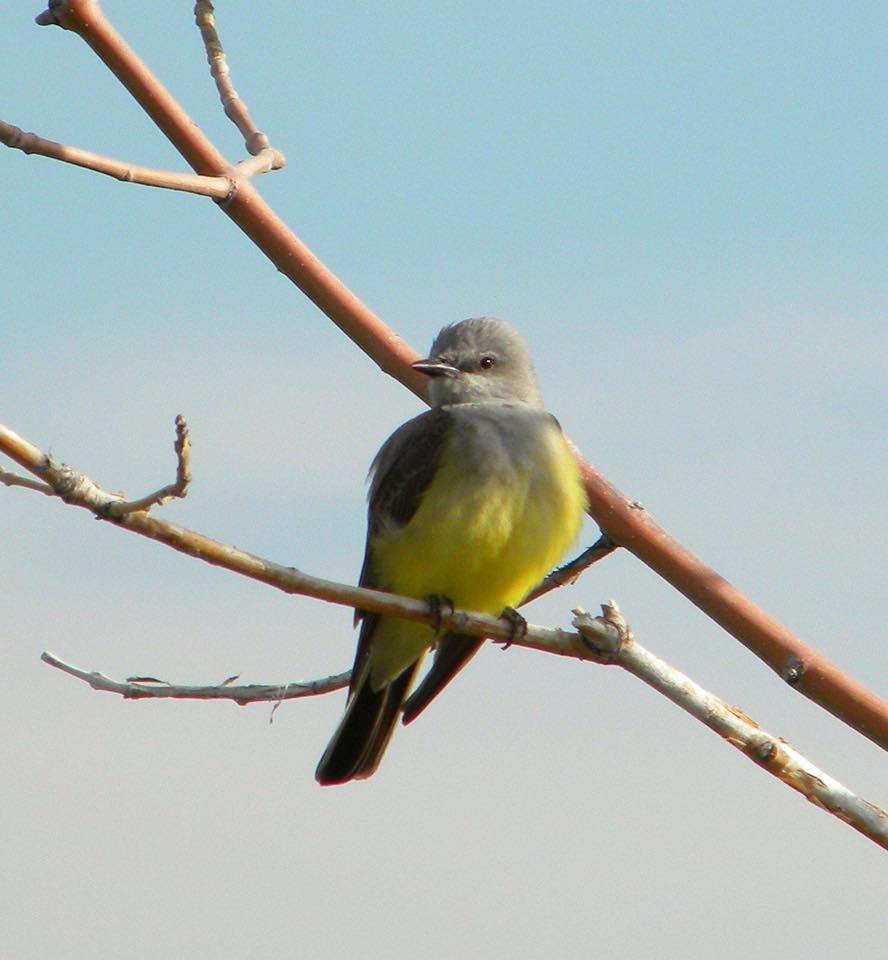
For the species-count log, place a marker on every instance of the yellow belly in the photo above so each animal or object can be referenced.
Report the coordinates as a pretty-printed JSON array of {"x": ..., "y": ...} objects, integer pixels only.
[{"x": 481, "y": 540}]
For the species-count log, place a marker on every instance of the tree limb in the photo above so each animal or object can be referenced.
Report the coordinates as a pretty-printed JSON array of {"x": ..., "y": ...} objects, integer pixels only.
[
  {"x": 770, "y": 753},
  {"x": 604, "y": 639}
]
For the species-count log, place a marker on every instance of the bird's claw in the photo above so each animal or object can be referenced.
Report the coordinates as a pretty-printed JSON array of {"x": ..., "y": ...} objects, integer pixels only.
[
  {"x": 517, "y": 626},
  {"x": 439, "y": 608}
]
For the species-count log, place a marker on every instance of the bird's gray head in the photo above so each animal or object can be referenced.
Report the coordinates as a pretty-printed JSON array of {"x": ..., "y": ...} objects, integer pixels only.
[{"x": 480, "y": 359}]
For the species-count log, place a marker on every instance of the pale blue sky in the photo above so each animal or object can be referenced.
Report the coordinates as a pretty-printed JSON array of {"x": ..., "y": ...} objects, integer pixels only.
[{"x": 683, "y": 208}]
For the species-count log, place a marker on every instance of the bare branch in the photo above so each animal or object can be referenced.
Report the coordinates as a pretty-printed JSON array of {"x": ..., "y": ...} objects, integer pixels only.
[
  {"x": 235, "y": 109},
  {"x": 79, "y": 490},
  {"x": 14, "y": 480},
  {"x": 605, "y": 639},
  {"x": 770, "y": 753},
  {"x": 143, "y": 688},
  {"x": 30, "y": 143},
  {"x": 172, "y": 491},
  {"x": 570, "y": 572}
]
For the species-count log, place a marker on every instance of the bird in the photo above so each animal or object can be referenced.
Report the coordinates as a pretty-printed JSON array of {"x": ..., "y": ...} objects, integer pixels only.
[{"x": 471, "y": 503}]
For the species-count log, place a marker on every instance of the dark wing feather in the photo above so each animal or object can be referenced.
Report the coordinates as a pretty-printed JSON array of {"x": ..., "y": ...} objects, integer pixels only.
[
  {"x": 357, "y": 746},
  {"x": 400, "y": 475},
  {"x": 452, "y": 652}
]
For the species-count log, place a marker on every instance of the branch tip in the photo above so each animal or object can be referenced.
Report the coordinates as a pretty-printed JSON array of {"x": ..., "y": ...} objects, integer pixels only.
[
  {"x": 255, "y": 141},
  {"x": 177, "y": 490}
]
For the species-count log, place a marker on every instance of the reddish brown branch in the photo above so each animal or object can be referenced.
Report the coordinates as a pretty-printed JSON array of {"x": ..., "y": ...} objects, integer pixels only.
[
  {"x": 245, "y": 207},
  {"x": 799, "y": 665},
  {"x": 619, "y": 518}
]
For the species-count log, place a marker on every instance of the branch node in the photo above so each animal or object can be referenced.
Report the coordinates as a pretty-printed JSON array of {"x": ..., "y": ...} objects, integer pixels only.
[
  {"x": 793, "y": 671},
  {"x": 604, "y": 636},
  {"x": 47, "y": 18}
]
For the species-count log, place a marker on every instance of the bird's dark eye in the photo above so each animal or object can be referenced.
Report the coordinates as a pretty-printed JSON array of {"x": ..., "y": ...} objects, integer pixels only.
[{"x": 487, "y": 362}]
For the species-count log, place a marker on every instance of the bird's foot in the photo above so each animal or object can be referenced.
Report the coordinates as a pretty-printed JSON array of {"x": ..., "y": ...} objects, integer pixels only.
[
  {"x": 439, "y": 608},
  {"x": 517, "y": 626}
]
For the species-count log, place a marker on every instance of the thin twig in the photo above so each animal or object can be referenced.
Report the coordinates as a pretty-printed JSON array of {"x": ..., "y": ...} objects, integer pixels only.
[
  {"x": 176, "y": 490},
  {"x": 570, "y": 572},
  {"x": 14, "y": 480},
  {"x": 235, "y": 109},
  {"x": 217, "y": 187},
  {"x": 244, "y": 694}
]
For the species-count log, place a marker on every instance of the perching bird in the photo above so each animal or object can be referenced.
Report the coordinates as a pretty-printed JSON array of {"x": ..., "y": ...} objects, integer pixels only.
[{"x": 472, "y": 502}]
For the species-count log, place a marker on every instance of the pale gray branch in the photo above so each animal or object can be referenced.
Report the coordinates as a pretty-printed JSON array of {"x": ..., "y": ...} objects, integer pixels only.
[
  {"x": 149, "y": 688},
  {"x": 771, "y": 753}
]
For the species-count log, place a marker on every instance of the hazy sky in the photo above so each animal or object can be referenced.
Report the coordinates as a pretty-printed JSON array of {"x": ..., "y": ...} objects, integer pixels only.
[{"x": 683, "y": 208}]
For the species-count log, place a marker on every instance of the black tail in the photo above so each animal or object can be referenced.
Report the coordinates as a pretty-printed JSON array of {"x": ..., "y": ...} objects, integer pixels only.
[
  {"x": 364, "y": 731},
  {"x": 452, "y": 653}
]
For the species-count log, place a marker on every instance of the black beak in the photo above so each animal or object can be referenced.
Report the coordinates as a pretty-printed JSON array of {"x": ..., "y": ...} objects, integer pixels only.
[{"x": 435, "y": 368}]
